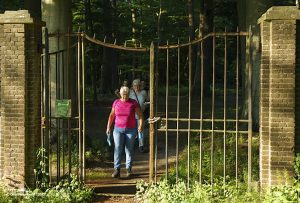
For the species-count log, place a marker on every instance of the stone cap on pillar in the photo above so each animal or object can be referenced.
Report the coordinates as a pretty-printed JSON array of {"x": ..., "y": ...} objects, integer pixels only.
[
  {"x": 280, "y": 13},
  {"x": 18, "y": 17}
]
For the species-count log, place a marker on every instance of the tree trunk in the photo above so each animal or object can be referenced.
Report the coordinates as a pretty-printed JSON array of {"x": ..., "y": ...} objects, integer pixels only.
[
  {"x": 58, "y": 18},
  {"x": 109, "y": 73},
  {"x": 34, "y": 8},
  {"x": 248, "y": 14},
  {"x": 205, "y": 27},
  {"x": 193, "y": 59}
]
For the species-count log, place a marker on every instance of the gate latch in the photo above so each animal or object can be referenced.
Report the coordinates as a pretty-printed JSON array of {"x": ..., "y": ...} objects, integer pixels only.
[
  {"x": 43, "y": 122},
  {"x": 153, "y": 120}
]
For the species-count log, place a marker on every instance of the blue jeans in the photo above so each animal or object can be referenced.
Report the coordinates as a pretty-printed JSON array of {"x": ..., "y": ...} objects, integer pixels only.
[{"x": 124, "y": 136}]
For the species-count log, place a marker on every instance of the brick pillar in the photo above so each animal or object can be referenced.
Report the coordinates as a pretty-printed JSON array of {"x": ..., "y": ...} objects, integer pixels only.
[
  {"x": 20, "y": 45},
  {"x": 277, "y": 96}
]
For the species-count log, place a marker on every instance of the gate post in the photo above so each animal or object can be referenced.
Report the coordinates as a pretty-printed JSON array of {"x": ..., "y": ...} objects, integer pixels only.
[
  {"x": 151, "y": 124},
  {"x": 20, "y": 106},
  {"x": 277, "y": 94}
]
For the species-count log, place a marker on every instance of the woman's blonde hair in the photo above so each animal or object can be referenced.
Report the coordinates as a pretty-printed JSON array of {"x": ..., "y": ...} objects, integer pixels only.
[
  {"x": 124, "y": 90},
  {"x": 136, "y": 82}
]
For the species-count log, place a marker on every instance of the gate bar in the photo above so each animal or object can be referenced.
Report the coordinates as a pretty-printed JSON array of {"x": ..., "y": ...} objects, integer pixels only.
[
  {"x": 249, "y": 43},
  {"x": 178, "y": 103},
  {"x": 79, "y": 109},
  {"x": 206, "y": 120},
  {"x": 47, "y": 102},
  {"x": 189, "y": 121},
  {"x": 57, "y": 120},
  {"x": 151, "y": 127},
  {"x": 237, "y": 108},
  {"x": 167, "y": 95},
  {"x": 225, "y": 102},
  {"x": 201, "y": 116},
  {"x": 212, "y": 116},
  {"x": 69, "y": 127},
  {"x": 83, "y": 108}
]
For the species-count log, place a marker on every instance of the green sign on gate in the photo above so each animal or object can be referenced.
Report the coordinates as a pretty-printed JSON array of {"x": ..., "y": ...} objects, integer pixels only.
[{"x": 63, "y": 108}]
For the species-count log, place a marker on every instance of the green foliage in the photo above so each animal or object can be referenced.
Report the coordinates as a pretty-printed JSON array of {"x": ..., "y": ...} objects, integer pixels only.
[
  {"x": 297, "y": 167},
  {"x": 97, "y": 152},
  {"x": 218, "y": 160},
  {"x": 65, "y": 191},
  {"x": 283, "y": 193},
  {"x": 40, "y": 173},
  {"x": 167, "y": 192},
  {"x": 7, "y": 196}
]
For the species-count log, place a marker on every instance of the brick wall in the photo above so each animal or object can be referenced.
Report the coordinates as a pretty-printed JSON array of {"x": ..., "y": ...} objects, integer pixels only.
[
  {"x": 282, "y": 99},
  {"x": 20, "y": 97},
  {"x": 33, "y": 97},
  {"x": 12, "y": 104},
  {"x": 264, "y": 104},
  {"x": 297, "y": 92},
  {"x": 1, "y": 63},
  {"x": 277, "y": 103}
]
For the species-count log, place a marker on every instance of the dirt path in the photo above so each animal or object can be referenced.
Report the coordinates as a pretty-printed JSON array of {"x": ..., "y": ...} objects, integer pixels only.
[{"x": 106, "y": 186}]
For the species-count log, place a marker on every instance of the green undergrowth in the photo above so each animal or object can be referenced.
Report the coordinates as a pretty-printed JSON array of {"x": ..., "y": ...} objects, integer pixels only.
[
  {"x": 69, "y": 189},
  {"x": 65, "y": 191},
  {"x": 167, "y": 192}
]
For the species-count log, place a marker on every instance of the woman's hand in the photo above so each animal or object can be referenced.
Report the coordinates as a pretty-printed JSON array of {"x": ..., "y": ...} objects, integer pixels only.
[
  {"x": 140, "y": 128},
  {"x": 111, "y": 118},
  {"x": 108, "y": 131}
]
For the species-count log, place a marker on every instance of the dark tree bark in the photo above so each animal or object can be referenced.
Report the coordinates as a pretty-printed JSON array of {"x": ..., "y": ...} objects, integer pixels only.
[
  {"x": 205, "y": 27},
  {"x": 248, "y": 14},
  {"x": 109, "y": 73},
  {"x": 34, "y": 8},
  {"x": 191, "y": 23}
]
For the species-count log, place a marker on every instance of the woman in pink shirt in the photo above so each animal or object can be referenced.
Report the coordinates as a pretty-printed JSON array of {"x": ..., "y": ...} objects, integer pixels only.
[{"x": 123, "y": 113}]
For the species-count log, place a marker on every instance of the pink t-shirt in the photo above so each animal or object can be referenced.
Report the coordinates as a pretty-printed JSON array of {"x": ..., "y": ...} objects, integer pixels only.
[{"x": 125, "y": 113}]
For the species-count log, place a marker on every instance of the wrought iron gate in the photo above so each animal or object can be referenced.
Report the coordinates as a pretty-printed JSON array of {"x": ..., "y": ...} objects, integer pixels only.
[
  {"x": 214, "y": 122},
  {"x": 179, "y": 119},
  {"x": 63, "y": 107}
]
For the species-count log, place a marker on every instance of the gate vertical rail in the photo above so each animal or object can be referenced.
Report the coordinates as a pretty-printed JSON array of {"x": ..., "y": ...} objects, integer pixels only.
[
  {"x": 83, "y": 106},
  {"x": 249, "y": 97},
  {"x": 237, "y": 108},
  {"x": 167, "y": 97},
  {"x": 151, "y": 136},
  {"x": 177, "y": 113},
  {"x": 224, "y": 110}
]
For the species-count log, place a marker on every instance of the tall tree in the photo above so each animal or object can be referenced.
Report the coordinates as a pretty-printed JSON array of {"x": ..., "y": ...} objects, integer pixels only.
[
  {"x": 109, "y": 76},
  {"x": 206, "y": 24},
  {"x": 58, "y": 18},
  {"x": 34, "y": 7},
  {"x": 248, "y": 14}
]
